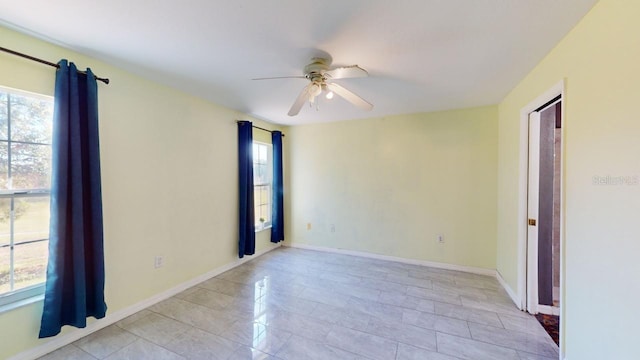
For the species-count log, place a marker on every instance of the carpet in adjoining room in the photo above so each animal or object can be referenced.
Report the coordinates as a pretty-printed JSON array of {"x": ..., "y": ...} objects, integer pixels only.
[{"x": 551, "y": 324}]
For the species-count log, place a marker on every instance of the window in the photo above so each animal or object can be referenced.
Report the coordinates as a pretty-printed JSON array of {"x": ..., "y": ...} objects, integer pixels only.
[
  {"x": 262, "y": 184},
  {"x": 25, "y": 176}
]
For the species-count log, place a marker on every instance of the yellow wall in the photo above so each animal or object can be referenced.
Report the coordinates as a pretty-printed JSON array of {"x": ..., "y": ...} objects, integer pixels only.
[
  {"x": 600, "y": 61},
  {"x": 389, "y": 185},
  {"x": 169, "y": 174}
]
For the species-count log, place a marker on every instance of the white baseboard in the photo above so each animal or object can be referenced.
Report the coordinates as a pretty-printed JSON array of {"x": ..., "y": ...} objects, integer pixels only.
[
  {"x": 66, "y": 339},
  {"x": 515, "y": 298},
  {"x": 468, "y": 269}
]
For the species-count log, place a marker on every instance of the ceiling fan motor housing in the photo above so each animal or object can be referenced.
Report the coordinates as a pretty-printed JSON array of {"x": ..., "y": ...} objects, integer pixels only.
[{"x": 317, "y": 67}]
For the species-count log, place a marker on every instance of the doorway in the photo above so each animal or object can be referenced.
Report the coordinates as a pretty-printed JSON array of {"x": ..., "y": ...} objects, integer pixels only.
[
  {"x": 527, "y": 297},
  {"x": 544, "y": 204}
]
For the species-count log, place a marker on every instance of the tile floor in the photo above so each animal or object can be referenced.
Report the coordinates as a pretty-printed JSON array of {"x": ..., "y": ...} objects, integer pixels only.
[{"x": 301, "y": 304}]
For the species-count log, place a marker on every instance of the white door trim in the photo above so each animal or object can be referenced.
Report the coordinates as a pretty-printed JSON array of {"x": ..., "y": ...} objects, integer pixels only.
[
  {"x": 533, "y": 197},
  {"x": 557, "y": 89},
  {"x": 554, "y": 91}
]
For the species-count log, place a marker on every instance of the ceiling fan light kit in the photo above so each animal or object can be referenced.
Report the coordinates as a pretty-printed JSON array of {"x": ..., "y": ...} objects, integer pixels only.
[
  {"x": 320, "y": 74},
  {"x": 329, "y": 95}
]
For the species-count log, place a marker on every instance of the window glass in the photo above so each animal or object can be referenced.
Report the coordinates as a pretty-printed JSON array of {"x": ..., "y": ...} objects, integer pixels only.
[
  {"x": 25, "y": 176},
  {"x": 5, "y": 270},
  {"x": 4, "y": 165},
  {"x": 4, "y": 117},
  {"x": 31, "y": 119},
  {"x": 30, "y": 166},
  {"x": 30, "y": 264},
  {"x": 262, "y": 185},
  {"x": 5, "y": 221},
  {"x": 31, "y": 219}
]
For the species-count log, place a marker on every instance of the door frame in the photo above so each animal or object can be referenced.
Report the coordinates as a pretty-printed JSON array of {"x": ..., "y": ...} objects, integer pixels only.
[
  {"x": 544, "y": 98},
  {"x": 531, "y": 300}
]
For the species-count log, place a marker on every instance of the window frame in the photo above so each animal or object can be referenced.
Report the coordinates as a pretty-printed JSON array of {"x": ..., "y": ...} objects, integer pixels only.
[
  {"x": 32, "y": 293},
  {"x": 269, "y": 184}
]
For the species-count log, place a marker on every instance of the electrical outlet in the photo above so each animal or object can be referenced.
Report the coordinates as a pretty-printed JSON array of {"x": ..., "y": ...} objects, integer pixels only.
[
  {"x": 333, "y": 228},
  {"x": 440, "y": 238},
  {"x": 158, "y": 262}
]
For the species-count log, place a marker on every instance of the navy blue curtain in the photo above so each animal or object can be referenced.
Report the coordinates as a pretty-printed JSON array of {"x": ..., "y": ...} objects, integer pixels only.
[
  {"x": 246, "y": 230},
  {"x": 277, "y": 197},
  {"x": 75, "y": 273}
]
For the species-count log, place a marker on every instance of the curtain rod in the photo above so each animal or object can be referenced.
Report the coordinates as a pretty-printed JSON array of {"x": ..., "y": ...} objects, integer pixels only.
[
  {"x": 12, "y": 52},
  {"x": 258, "y": 127}
]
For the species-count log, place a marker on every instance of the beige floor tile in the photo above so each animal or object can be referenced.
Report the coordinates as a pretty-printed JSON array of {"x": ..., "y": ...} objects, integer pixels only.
[
  {"x": 198, "y": 344},
  {"x": 143, "y": 349},
  {"x": 514, "y": 340},
  {"x": 69, "y": 352},
  {"x": 303, "y": 348},
  {"x": 157, "y": 328},
  {"x": 408, "y": 352},
  {"x": 257, "y": 335},
  {"x": 105, "y": 342},
  {"x": 370, "y": 346},
  {"x": 468, "y": 314},
  {"x": 473, "y": 350},
  {"x": 301, "y": 304}
]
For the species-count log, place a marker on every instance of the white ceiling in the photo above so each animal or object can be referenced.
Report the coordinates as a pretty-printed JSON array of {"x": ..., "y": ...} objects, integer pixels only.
[{"x": 422, "y": 55}]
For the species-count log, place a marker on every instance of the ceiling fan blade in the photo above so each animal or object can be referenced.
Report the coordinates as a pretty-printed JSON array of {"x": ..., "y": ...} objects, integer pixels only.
[
  {"x": 302, "y": 98},
  {"x": 343, "y": 72},
  {"x": 280, "y": 77},
  {"x": 350, "y": 96}
]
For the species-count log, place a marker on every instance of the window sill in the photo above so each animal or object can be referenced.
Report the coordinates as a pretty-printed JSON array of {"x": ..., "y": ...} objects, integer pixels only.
[
  {"x": 263, "y": 229},
  {"x": 20, "y": 303}
]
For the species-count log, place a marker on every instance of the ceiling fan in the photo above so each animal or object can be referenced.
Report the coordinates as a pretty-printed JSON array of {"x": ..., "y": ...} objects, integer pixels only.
[{"x": 320, "y": 74}]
